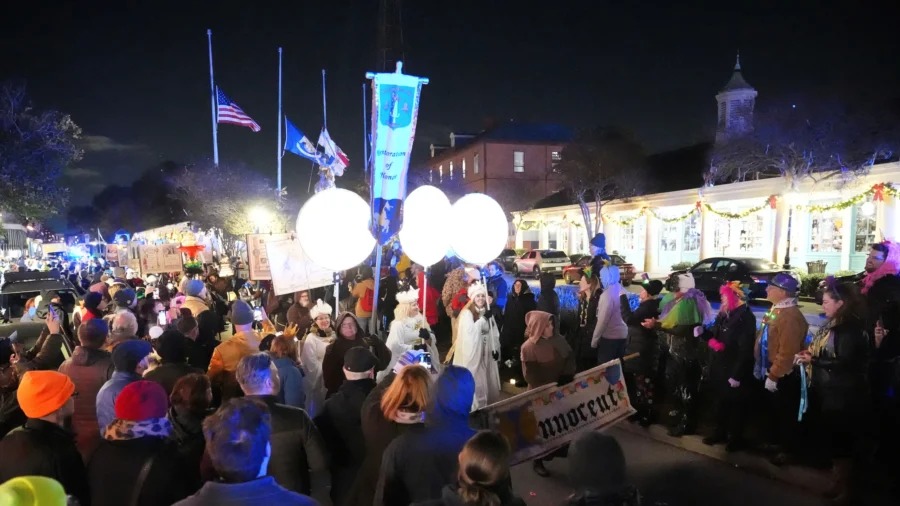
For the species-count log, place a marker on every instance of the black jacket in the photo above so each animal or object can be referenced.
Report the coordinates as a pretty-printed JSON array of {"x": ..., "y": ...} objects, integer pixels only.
[
  {"x": 168, "y": 373},
  {"x": 300, "y": 459},
  {"x": 419, "y": 463},
  {"x": 883, "y": 302},
  {"x": 839, "y": 375},
  {"x": 41, "y": 448},
  {"x": 517, "y": 306},
  {"x": 47, "y": 354},
  {"x": 640, "y": 340},
  {"x": 450, "y": 497},
  {"x": 115, "y": 466},
  {"x": 737, "y": 331},
  {"x": 341, "y": 427},
  {"x": 200, "y": 352}
]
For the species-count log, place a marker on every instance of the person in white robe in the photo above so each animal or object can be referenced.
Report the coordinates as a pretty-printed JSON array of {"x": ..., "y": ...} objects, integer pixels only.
[
  {"x": 311, "y": 354},
  {"x": 408, "y": 331},
  {"x": 478, "y": 346}
]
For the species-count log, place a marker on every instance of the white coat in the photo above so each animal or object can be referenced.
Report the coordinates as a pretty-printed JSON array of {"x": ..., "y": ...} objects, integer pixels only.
[
  {"x": 311, "y": 356},
  {"x": 403, "y": 337},
  {"x": 476, "y": 340}
]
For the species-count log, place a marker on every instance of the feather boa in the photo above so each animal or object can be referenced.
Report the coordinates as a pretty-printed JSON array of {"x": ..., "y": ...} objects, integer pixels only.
[
  {"x": 690, "y": 308},
  {"x": 891, "y": 266}
]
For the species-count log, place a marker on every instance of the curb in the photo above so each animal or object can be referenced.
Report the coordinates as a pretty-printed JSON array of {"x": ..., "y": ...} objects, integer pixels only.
[{"x": 812, "y": 480}]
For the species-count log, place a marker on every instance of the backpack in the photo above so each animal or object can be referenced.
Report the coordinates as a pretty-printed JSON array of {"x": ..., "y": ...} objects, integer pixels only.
[{"x": 367, "y": 299}]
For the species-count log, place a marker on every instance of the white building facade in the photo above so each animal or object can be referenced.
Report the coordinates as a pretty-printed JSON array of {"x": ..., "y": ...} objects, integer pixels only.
[{"x": 828, "y": 221}]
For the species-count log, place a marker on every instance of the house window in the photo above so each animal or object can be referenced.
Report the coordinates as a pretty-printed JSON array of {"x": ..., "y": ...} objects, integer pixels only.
[
  {"x": 668, "y": 237},
  {"x": 626, "y": 237},
  {"x": 864, "y": 235},
  {"x": 451, "y": 171},
  {"x": 555, "y": 157},
  {"x": 464, "y": 167},
  {"x": 722, "y": 235},
  {"x": 752, "y": 234},
  {"x": 518, "y": 161},
  {"x": 825, "y": 232},
  {"x": 475, "y": 163},
  {"x": 441, "y": 173},
  {"x": 552, "y": 237},
  {"x": 692, "y": 233}
]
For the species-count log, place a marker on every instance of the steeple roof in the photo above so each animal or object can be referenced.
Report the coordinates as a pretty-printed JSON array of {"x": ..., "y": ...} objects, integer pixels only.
[{"x": 737, "y": 81}]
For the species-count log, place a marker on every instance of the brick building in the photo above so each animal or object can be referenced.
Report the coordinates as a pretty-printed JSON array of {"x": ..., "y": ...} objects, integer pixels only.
[{"x": 513, "y": 163}]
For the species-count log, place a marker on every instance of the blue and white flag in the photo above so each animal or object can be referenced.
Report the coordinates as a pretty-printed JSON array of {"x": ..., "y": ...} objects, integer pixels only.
[
  {"x": 395, "y": 107},
  {"x": 298, "y": 143}
]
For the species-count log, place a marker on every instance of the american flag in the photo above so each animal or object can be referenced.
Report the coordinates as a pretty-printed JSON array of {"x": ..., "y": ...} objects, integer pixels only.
[{"x": 229, "y": 112}]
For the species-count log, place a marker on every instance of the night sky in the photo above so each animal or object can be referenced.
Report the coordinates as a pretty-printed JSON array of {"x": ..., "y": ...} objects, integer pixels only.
[{"x": 136, "y": 79}]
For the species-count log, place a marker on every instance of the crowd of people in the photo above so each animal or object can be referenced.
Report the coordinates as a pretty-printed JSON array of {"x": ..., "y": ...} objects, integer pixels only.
[{"x": 199, "y": 389}]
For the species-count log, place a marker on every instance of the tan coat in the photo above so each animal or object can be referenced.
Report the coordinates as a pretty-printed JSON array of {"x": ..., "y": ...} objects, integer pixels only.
[
  {"x": 195, "y": 304},
  {"x": 787, "y": 334}
]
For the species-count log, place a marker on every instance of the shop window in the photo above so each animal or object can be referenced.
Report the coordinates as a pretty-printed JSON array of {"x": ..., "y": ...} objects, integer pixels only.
[
  {"x": 552, "y": 236},
  {"x": 668, "y": 237},
  {"x": 864, "y": 232},
  {"x": 825, "y": 232},
  {"x": 692, "y": 233}
]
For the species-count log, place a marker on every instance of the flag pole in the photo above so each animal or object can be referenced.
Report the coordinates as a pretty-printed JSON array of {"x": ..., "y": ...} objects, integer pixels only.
[
  {"x": 324, "y": 104},
  {"x": 365, "y": 134},
  {"x": 212, "y": 93},
  {"x": 280, "y": 152}
]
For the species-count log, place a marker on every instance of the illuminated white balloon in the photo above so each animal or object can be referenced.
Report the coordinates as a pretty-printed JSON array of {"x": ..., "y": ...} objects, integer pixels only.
[
  {"x": 422, "y": 237},
  {"x": 478, "y": 228},
  {"x": 333, "y": 229}
]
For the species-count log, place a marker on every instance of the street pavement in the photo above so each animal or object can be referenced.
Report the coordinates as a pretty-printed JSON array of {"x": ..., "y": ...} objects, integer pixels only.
[{"x": 666, "y": 475}]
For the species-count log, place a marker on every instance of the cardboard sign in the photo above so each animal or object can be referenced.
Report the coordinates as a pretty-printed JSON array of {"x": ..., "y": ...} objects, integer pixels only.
[
  {"x": 159, "y": 258},
  {"x": 259, "y": 258},
  {"x": 123, "y": 255},
  {"x": 112, "y": 253},
  {"x": 134, "y": 257},
  {"x": 292, "y": 270},
  {"x": 539, "y": 421}
]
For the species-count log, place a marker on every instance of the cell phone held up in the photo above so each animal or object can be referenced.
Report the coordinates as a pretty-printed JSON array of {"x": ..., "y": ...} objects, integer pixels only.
[{"x": 257, "y": 314}]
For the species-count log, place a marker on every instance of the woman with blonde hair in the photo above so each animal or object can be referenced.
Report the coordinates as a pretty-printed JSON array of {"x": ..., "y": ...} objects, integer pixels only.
[
  {"x": 483, "y": 475},
  {"x": 409, "y": 331},
  {"x": 386, "y": 414}
]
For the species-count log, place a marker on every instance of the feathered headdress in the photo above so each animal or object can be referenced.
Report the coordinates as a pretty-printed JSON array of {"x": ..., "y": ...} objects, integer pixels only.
[
  {"x": 319, "y": 309},
  {"x": 410, "y": 296},
  {"x": 734, "y": 293},
  {"x": 476, "y": 288}
]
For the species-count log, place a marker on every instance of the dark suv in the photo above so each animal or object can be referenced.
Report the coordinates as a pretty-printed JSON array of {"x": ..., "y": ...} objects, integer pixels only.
[{"x": 17, "y": 289}]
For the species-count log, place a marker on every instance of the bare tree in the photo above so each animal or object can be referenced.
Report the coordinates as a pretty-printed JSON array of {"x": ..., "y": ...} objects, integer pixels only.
[
  {"x": 600, "y": 166},
  {"x": 822, "y": 141},
  {"x": 228, "y": 197},
  {"x": 35, "y": 147}
]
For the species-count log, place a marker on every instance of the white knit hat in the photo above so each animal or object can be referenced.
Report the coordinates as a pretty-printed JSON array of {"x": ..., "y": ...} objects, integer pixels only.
[
  {"x": 319, "y": 309},
  {"x": 410, "y": 296},
  {"x": 476, "y": 288},
  {"x": 686, "y": 282}
]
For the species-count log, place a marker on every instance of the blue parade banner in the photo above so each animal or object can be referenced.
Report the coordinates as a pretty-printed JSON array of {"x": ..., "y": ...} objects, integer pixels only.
[{"x": 395, "y": 108}]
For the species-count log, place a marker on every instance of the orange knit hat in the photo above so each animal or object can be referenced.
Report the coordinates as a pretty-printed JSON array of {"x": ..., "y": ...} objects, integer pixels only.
[{"x": 43, "y": 392}]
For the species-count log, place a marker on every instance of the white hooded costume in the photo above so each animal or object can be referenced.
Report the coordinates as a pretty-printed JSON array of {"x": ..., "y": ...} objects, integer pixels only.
[
  {"x": 404, "y": 333},
  {"x": 311, "y": 356},
  {"x": 476, "y": 341}
]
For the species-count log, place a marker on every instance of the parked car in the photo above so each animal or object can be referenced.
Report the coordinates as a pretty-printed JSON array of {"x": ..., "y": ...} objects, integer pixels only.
[
  {"x": 507, "y": 259},
  {"x": 537, "y": 261},
  {"x": 18, "y": 288},
  {"x": 711, "y": 273},
  {"x": 626, "y": 270}
]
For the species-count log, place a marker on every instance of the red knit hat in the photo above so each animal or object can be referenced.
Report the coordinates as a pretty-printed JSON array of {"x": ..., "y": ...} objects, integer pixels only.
[{"x": 142, "y": 400}]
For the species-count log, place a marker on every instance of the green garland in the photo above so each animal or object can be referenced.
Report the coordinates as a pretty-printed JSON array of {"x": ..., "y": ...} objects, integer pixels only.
[
  {"x": 671, "y": 220},
  {"x": 740, "y": 215},
  {"x": 839, "y": 206}
]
